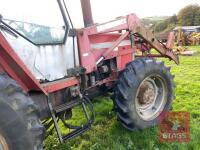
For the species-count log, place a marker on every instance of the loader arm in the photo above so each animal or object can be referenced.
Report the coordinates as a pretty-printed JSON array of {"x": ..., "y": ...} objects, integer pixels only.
[
  {"x": 146, "y": 34},
  {"x": 139, "y": 35}
]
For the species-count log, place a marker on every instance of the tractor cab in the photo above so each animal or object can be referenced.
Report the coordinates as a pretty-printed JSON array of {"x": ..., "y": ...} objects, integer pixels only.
[{"x": 41, "y": 33}]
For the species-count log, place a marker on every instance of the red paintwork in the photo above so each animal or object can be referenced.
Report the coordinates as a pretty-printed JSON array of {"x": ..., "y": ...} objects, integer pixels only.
[
  {"x": 59, "y": 85},
  {"x": 116, "y": 44},
  {"x": 123, "y": 60},
  {"x": 113, "y": 32},
  {"x": 90, "y": 35}
]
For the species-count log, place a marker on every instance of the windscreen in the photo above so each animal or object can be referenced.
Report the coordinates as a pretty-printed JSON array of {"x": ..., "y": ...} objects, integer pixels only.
[{"x": 40, "y": 21}]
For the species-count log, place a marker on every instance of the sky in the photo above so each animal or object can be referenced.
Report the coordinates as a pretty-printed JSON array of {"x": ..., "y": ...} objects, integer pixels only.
[
  {"x": 46, "y": 11},
  {"x": 105, "y": 10}
]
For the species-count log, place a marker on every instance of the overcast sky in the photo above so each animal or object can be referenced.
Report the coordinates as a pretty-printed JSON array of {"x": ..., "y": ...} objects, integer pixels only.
[
  {"x": 43, "y": 11},
  {"x": 104, "y": 10}
]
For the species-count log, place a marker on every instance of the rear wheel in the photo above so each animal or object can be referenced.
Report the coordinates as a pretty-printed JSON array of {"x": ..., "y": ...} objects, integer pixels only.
[
  {"x": 20, "y": 127},
  {"x": 144, "y": 90}
]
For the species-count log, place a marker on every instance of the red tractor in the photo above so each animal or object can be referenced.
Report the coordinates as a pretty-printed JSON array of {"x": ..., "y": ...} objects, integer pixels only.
[{"x": 45, "y": 72}]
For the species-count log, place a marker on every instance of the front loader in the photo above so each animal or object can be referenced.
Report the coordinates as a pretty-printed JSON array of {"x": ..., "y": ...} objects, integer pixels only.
[{"x": 46, "y": 72}]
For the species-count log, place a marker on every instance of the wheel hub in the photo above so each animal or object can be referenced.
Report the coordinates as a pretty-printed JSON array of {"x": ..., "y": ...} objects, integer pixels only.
[
  {"x": 146, "y": 93},
  {"x": 151, "y": 97},
  {"x": 3, "y": 143}
]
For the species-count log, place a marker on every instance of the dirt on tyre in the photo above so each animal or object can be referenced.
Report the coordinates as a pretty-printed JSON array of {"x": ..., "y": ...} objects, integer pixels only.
[
  {"x": 20, "y": 127},
  {"x": 145, "y": 89}
]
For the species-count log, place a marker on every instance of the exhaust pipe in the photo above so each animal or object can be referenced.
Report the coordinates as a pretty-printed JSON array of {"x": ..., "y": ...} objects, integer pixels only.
[{"x": 87, "y": 13}]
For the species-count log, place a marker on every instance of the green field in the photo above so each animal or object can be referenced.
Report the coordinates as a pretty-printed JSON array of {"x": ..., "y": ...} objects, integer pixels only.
[{"x": 108, "y": 134}]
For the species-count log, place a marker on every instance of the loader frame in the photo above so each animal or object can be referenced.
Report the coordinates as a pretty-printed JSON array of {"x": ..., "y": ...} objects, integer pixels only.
[{"x": 96, "y": 44}]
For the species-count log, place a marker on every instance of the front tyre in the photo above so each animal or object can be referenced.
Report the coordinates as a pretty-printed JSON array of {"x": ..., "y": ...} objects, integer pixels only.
[
  {"x": 20, "y": 127},
  {"x": 144, "y": 90}
]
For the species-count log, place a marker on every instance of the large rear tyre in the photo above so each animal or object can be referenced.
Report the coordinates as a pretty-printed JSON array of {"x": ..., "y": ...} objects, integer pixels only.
[
  {"x": 20, "y": 127},
  {"x": 145, "y": 89}
]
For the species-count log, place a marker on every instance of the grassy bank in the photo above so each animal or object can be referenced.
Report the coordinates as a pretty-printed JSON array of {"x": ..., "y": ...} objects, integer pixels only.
[{"x": 108, "y": 134}]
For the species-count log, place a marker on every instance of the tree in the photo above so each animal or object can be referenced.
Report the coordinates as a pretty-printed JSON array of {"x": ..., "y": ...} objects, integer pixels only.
[
  {"x": 197, "y": 18},
  {"x": 189, "y": 16},
  {"x": 166, "y": 24},
  {"x": 173, "y": 19},
  {"x": 160, "y": 26}
]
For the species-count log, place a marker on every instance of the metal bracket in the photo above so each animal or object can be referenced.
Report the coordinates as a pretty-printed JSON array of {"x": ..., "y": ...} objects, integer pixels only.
[
  {"x": 54, "y": 120},
  {"x": 117, "y": 42},
  {"x": 77, "y": 130}
]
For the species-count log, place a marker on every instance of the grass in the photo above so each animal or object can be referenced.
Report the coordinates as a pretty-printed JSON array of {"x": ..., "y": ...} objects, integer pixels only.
[{"x": 108, "y": 134}]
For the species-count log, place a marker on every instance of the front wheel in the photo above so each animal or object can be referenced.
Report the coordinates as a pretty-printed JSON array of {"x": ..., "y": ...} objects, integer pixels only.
[
  {"x": 20, "y": 127},
  {"x": 144, "y": 90}
]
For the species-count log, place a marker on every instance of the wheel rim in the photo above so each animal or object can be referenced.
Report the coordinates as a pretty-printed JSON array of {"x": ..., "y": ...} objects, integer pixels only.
[
  {"x": 3, "y": 143},
  {"x": 151, "y": 97}
]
